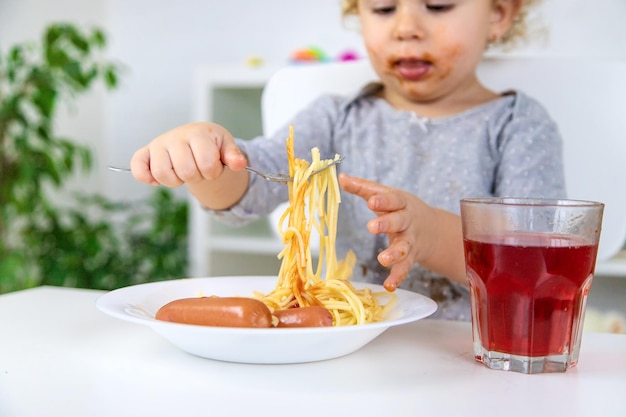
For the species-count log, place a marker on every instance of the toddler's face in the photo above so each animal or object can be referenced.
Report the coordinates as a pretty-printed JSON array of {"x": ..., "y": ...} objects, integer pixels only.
[{"x": 424, "y": 50}]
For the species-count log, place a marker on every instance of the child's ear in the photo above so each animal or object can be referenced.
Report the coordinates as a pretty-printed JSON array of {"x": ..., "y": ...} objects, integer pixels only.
[{"x": 503, "y": 15}]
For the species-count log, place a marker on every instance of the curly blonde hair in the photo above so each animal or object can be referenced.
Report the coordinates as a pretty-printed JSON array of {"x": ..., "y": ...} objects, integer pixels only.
[{"x": 518, "y": 33}]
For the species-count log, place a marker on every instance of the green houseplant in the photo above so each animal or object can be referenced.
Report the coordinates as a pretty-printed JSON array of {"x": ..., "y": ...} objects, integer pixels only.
[{"x": 93, "y": 243}]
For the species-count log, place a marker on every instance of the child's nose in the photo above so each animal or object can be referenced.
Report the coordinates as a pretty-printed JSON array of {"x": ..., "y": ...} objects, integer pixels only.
[{"x": 408, "y": 24}]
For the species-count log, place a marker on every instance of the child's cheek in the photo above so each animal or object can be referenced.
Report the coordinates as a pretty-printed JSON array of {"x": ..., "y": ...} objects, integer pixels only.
[{"x": 446, "y": 60}]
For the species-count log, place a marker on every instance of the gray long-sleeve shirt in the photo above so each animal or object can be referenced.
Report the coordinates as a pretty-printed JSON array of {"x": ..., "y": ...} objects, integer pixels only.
[{"x": 506, "y": 147}]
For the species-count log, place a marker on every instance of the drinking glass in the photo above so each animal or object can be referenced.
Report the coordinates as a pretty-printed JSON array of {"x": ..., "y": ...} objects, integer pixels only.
[{"x": 529, "y": 263}]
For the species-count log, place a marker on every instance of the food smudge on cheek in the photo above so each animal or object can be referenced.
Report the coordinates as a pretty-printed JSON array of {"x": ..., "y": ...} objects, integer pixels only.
[{"x": 447, "y": 60}]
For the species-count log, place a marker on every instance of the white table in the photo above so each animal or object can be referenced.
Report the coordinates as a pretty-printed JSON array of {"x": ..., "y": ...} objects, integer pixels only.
[{"x": 60, "y": 356}]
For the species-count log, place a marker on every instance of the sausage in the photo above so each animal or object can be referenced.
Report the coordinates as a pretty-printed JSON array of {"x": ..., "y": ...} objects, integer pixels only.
[
  {"x": 313, "y": 316},
  {"x": 217, "y": 311}
]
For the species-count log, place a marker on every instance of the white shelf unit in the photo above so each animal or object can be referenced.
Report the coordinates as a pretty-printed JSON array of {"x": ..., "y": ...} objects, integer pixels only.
[{"x": 230, "y": 96}]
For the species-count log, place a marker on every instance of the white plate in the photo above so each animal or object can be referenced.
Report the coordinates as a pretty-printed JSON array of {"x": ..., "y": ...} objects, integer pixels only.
[{"x": 139, "y": 303}]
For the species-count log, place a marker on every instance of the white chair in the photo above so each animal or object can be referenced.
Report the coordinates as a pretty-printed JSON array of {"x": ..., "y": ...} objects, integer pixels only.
[
  {"x": 293, "y": 87},
  {"x": 585, "y": 97}
]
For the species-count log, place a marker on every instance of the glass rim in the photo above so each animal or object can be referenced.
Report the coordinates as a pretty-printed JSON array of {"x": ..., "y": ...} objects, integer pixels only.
[{"x": 531, "y": 201}]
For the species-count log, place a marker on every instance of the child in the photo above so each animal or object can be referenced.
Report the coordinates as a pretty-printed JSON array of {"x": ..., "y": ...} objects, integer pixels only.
[{"x": 414, "y": 144}]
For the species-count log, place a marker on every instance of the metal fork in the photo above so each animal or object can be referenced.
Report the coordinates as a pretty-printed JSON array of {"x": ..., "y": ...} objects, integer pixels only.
[{"x": 265, "y": 175}]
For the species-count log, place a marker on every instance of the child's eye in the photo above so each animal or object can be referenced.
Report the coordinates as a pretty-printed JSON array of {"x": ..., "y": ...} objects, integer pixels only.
[
  {"x": 438, "y": 8},
  {"x": 384, "y": 10}
]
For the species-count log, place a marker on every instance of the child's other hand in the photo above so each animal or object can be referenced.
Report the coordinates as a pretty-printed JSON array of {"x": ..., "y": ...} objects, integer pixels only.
[
  {"x": 408, "y": 222},
  {"x": 187, "y": 154}
]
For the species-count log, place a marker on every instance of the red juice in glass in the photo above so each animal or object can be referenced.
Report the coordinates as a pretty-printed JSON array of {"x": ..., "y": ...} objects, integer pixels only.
[
  {"x": 529, "y": 292},
  {"x": 529, "y": 263}
]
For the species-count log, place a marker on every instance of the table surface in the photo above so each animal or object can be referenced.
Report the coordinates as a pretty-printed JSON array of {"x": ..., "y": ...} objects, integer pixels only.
[{"x": 60, "y": 356}]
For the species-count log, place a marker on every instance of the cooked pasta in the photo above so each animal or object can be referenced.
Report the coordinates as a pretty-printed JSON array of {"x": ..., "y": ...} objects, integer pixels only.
[{"x": 313, "y": 205}]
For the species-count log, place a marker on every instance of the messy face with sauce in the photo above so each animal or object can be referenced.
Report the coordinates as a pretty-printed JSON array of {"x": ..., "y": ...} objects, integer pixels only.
[{"x": 426, "y": 51}]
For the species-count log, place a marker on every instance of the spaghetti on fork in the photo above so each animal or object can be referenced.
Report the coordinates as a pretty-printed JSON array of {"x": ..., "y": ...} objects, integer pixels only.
[{"x": 314, "y": 198}]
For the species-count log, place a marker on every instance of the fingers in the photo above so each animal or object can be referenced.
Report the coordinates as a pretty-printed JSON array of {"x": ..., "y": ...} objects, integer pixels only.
[
  {"x": 140, "y": 166},
  {"x": 195, "y": 159},
  {"x": 359, "y": 186},
  {"x": 394, "y": 222},
  {"x": 398, "y": 251},
  {"x": 232, "y": 156},
  {"x": 398, "y": 258},
  {"x": 397, "y": 274},
  {"x": 400, "y": 216},
  {"x": 187, "y": 154},
  {"x": 379, "y": 198},
  {"x": 368, "y": 190},
  {"x": 212, "y": 150}
]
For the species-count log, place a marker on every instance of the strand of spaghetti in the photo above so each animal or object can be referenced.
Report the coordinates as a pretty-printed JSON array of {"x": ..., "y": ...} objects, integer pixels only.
[
  {"x": 343, "y": 313},
  {"x": 324, "y": 222},
  {"x": 295, "y": 259},
  {"x": 339, "y": 299},
  {"x": 355, "y": 303},
  {"x": 372, "y": 310},
  {"x": 295, "y": 235},
  {"x": 332, "y": 215},
  {"x": 319, "y": 221},
  {"x": 297, "y": 218}
]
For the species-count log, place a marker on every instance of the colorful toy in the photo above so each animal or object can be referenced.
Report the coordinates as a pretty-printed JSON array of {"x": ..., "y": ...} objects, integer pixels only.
[
  {"x": 310, "y": 54},
  {"x": 254, "y": 62},
  {"x": 315, "y": 54},
  {"x": 348, "y": 55}
]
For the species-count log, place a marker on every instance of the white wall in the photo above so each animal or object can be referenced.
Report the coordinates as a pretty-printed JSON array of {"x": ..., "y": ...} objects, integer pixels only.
[{"x": 160, "y": 42}]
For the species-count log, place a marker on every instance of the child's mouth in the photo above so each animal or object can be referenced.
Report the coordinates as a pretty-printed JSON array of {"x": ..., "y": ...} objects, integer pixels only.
[{"x": 412, "y": 69}]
